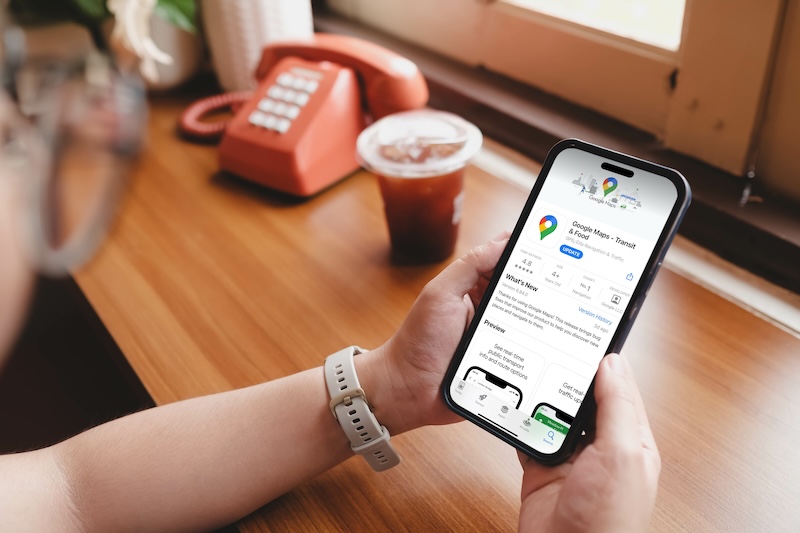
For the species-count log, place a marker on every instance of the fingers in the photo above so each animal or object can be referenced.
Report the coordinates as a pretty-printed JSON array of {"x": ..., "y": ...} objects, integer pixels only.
[
  {"x": 621, "y": 416},
  {"x": 463, "y": 274},
  {"x": 536, "y": 476}
]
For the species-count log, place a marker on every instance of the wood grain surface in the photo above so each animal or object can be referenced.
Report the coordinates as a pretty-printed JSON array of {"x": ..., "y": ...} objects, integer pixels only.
[{"x": 209, "y": 283}]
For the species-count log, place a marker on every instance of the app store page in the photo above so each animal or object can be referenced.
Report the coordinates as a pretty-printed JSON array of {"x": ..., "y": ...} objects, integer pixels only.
[{"x": 561, "y": 296}]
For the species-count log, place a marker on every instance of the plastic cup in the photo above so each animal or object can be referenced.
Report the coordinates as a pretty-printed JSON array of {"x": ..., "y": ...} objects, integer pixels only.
[{"x": 419, "y": 158}]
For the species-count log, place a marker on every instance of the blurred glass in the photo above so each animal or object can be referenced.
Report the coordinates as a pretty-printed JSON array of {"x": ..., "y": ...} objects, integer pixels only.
[{"x": 87, "y": 119}]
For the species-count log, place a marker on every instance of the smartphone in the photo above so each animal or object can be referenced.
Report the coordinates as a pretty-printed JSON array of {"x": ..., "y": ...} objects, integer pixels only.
[{"x": 565, "y": 292}]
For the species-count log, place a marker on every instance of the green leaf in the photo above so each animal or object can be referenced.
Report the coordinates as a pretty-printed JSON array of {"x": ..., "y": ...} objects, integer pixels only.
[
  {"x": 181, "y": 13},
  {"x": 92, "y": 9}
]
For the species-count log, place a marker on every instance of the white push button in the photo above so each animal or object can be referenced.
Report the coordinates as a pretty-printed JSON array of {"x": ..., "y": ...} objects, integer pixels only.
[
  {"x": 266, "y": 105},
  {"x": 299, "y": 84},
  {"x": 292, "y": 112},
  {"x": 287, "y": 80},
  {"x": 280, "y": 108},
  {"x": 290, "y": 96},
  {"x": 256, "y": 118},
  {"x": 271, "y": 122},
  {"x": 301, "y": 100},
  {"x": 283, "y": 125}
]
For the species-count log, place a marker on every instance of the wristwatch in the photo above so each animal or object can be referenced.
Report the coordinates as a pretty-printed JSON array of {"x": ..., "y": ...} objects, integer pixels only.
[{"x": 349, "y": 406}]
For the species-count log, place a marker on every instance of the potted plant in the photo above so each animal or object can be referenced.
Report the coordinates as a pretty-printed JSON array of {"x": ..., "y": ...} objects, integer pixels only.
[{"x": 161, "y": 35}]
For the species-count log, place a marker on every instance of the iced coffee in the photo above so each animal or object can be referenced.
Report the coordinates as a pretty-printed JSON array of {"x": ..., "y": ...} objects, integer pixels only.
[{"x": 419, "y": 159}]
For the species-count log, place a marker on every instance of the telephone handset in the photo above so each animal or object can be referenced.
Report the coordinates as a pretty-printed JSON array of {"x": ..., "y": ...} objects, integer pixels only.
[{"x": 297, "y": 131}]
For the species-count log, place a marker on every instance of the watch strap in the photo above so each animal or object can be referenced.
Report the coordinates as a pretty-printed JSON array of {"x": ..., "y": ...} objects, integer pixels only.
[{"x": 349, "y": 405}]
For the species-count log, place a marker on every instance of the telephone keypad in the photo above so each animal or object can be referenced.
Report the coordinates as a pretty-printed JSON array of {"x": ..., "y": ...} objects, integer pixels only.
[{"x": 283, "y": 102}]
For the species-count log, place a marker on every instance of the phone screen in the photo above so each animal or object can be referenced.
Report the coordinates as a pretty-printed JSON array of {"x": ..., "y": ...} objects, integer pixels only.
[
  {"x": 494, "y": 386},
  {"x": 576, "y": 271},
  {"x": 549, "y": 425}
]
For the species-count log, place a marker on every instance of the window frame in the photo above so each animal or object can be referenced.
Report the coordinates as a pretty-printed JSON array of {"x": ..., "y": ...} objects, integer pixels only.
[{"x": 708, "y": 113}]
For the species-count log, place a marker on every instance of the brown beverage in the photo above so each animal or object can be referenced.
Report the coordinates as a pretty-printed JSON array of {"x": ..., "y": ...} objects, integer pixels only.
[
  {"x": 423, "y": 215},
  {"x": 419, "y": 157}
]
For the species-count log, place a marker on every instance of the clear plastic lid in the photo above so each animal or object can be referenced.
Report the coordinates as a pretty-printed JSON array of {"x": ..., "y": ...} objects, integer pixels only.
[{"x": 418, "y": 144}]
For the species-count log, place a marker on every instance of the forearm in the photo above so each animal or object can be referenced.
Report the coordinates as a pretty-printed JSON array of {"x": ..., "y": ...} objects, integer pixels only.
[
  {"x": 205, "y": 462},
  {"x": 202, "y": 463}
]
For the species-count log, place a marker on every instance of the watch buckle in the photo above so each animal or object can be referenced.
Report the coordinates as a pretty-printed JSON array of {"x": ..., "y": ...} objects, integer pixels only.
[{"x": 347, "y": 397}]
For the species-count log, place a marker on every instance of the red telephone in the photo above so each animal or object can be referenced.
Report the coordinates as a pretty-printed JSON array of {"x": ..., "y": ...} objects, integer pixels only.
[{"x": 297, "y": 132}]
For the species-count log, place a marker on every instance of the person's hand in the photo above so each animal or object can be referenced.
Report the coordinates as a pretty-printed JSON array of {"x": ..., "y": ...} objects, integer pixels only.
[
  {"x": 611, "y": 484},
  {"x": 403, "y": 377}
]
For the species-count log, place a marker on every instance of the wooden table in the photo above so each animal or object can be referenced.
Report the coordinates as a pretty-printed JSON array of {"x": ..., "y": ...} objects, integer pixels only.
[{"x": 210, "y": 283}]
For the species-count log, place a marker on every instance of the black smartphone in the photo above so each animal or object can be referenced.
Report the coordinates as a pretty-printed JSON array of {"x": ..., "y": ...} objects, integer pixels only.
[{"x": 565, "y": 292}]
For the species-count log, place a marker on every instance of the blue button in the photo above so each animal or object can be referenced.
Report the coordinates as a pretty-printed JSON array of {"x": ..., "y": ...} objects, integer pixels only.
[{"x": 570, "y": 251}]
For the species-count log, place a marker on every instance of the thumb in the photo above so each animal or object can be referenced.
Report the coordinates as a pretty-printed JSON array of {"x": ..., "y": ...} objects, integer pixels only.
[
  {"x": 621, "y": 417},
  {"x": 463, "y": 274}
]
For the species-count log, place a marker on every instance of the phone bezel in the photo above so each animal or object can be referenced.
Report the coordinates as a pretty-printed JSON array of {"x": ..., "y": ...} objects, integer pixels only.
[{"x": 585, "y": 415}]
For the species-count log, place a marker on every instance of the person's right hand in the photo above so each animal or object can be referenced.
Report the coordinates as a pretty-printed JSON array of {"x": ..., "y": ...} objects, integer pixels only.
[{"x": 611, "y": 484}]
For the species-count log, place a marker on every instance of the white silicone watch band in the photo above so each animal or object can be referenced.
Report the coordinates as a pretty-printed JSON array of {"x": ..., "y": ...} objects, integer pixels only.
[{"x": 368, "y": 437}]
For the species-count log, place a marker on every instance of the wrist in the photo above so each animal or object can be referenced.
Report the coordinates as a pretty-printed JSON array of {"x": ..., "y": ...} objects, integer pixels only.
[{"x": 392, "y": 402}]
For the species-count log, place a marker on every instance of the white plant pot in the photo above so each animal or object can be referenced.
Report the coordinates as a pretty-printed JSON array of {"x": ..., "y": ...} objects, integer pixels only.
[
  {"x": 185, "y": 49},
  {"x": 237, "y": 30}
]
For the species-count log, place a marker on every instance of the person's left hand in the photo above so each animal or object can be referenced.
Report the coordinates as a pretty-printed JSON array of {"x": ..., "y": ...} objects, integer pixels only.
[{"x": 407, "y": 371}]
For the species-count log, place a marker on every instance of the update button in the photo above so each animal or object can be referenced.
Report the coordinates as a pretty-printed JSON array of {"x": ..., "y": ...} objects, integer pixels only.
[{"x": 570, "y": 251}]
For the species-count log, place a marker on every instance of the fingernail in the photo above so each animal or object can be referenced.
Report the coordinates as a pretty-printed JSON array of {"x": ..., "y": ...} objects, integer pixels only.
[
  {"x": 616, "y": 363},
  {"x": 500, "y": 237}
]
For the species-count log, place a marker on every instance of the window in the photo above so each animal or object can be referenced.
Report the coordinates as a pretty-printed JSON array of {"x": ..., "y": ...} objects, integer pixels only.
[
  {"x": 693, "y": 75},
  {"x": 655, "y": 22}
]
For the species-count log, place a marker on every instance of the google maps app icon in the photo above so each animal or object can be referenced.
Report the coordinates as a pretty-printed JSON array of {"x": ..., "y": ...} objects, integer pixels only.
[{"x": 547, "y": 226}]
